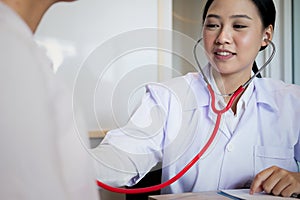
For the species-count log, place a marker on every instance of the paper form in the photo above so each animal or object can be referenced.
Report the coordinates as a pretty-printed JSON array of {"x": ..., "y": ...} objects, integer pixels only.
[{"x": 244, "y": 194}]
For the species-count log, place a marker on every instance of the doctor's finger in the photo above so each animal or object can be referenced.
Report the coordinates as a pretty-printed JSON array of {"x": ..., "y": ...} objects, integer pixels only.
[
  {"x": 286, "y": 183},
  {"x": 283, "y": 188},
  {"x": 277, "y": 180},
  {"x": 260, "y": 178},
  {"x": 292, "y": 184}
]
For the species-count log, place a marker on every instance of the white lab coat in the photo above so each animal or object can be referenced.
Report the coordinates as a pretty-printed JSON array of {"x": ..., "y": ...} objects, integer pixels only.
[
  {"x": 42, "y": 156},
  {"x": 175, "y": 120}
]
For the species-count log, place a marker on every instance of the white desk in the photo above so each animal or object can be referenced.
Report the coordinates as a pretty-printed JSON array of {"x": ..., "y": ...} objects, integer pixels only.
[
  {"x": 226, "y": 194},
  {"x": 190, "y": 196}
]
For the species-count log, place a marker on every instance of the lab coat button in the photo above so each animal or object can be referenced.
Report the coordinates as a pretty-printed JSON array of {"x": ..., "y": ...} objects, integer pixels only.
[{"x": 229, "y": 147}]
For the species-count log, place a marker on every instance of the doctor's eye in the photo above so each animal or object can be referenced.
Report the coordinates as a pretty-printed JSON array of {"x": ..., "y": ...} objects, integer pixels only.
[
  {"x": 212, "y": 26},
  {"x": 239, "y": 26}
]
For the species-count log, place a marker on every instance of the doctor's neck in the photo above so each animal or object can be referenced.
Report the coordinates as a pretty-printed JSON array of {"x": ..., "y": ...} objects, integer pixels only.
[
  {"x": 31, "y": 11},
  {"x": 228, "y": 83}
]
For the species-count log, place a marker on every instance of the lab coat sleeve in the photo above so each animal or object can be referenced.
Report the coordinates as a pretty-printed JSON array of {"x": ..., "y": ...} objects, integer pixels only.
[
  {"x": 127, "y": 154},
  {"x": 297, "y": 152},
  {"x": 293, "y": 95}
]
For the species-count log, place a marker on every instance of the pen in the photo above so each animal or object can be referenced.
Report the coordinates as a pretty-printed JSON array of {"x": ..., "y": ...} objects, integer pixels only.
[{"x": 295, "y": 195}]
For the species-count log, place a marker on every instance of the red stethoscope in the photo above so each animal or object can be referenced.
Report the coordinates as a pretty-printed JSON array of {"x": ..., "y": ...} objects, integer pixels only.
[{"x": 219, "y": 113}]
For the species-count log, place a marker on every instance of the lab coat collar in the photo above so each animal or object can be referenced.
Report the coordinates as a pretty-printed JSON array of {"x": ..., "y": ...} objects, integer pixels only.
[
  {"x": 261, "y": 89},
  {"x": 12, "y": 19},
  {"x": 201, "y": 97},
  {"x": 265, "y": 89},
  {"x": 198, "y": 94}
]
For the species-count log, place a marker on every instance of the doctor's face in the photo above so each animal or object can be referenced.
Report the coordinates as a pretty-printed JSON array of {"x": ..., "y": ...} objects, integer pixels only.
[{"x": 233, "y": 35}]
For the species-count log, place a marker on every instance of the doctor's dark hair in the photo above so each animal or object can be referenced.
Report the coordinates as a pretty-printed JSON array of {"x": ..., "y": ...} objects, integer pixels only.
[{"x": 266, "y": 10}]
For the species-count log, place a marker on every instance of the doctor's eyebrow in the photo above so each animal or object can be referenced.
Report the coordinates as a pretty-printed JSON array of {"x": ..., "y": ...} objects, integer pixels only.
[
  {"x": 232, "y": 16},
  {"x": 213, "y": 16},
  {"x": 241, "y": 16}
]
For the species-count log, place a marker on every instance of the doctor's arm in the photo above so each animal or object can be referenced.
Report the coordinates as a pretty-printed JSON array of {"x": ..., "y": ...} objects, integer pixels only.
[
  {"x": 128, "y": 153},
  {"x": 113, "y": 166}
]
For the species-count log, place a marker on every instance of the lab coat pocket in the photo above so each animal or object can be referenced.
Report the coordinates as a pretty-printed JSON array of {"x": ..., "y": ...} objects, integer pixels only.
[{"x": 267, "y": 156}]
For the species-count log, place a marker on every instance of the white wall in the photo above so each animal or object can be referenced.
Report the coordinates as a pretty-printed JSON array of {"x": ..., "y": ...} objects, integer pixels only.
[
  {"x": 281, "y": 65},
  {"x": 112, "y": 49},
  {"x": 104, "y": 43}
]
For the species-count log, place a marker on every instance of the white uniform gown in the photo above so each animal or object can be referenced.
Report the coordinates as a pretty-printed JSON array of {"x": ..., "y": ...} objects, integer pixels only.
[{"x": 175, "y": 120}]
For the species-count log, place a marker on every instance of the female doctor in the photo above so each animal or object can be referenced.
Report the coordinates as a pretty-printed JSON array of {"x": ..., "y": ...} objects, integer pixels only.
[{"x": 258, "y": 143}]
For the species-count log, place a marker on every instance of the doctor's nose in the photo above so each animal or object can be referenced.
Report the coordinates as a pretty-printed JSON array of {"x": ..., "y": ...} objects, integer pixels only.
[{"x": 224, "y": 37}]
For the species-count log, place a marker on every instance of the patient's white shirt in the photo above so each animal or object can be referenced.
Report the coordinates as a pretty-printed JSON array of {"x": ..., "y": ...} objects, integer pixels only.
[{"x": 42, "y": 156}]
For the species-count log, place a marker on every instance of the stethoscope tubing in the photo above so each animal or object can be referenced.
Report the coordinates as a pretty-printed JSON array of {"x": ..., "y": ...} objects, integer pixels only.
[
  {"x": 192, "y": 162},
  {"x": 219, "y": 113}
]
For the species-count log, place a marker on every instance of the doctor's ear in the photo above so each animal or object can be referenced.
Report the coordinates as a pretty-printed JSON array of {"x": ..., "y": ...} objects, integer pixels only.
[{"x": 268, "y": 35}]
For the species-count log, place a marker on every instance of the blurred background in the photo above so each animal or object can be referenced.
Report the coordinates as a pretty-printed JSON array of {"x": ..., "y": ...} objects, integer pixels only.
[{"x": 107, "y": 50}]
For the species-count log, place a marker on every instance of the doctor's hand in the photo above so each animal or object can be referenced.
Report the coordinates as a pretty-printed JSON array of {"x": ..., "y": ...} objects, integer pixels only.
[{"x": 276, "y": 181}]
